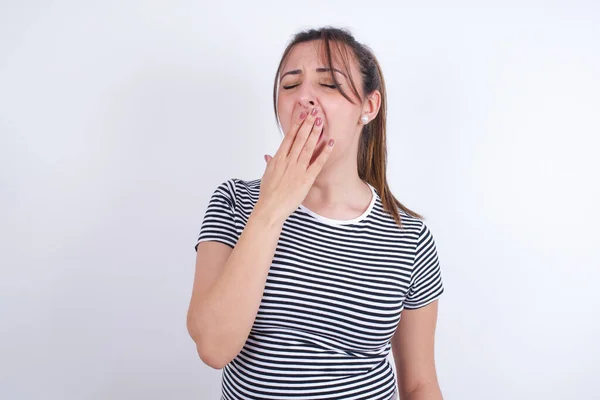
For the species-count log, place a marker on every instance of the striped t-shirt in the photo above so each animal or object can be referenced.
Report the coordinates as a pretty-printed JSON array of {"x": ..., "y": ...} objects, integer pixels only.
[{"x": 332, "y": 299}]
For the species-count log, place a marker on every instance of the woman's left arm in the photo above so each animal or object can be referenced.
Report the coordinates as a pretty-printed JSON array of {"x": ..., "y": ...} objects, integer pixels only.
[{"x": 413, "y": 350}]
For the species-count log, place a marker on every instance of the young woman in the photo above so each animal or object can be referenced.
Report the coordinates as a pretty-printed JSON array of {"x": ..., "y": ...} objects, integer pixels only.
[{"x": 302, "y": 276}]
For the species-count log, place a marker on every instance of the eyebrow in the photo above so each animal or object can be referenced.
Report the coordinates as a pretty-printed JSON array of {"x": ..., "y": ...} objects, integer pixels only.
[{"x": 299, "y": 71}]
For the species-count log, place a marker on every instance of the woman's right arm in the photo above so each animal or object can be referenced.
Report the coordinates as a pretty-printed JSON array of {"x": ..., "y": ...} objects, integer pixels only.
[
  {"x": 229, "y": 283},
  {"x": 228, "y": 288}
]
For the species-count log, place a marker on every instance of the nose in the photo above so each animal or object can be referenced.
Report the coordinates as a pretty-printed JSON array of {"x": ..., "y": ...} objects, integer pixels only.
[
  {"x": 306, "y": 98},
  {"x": 306, "y": 104}
]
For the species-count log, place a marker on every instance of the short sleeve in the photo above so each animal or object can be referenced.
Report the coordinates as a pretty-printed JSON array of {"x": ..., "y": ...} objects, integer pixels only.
[
  {"x": 426, "y": 283},
  {"x": 218, "y": 223}
]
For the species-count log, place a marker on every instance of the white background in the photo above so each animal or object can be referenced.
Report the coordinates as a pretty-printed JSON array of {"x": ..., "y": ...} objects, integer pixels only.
[{"x": 119, "y": 118}]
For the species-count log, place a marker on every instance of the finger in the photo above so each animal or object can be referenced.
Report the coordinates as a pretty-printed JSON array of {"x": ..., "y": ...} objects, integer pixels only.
[
  {"x": 303, "y": 133},
  {"x": 268, "y": 158},
  {"x": 311, "y": 143},
  {"x": 288, "y": 140},
  {"x": 317, "y": 165}
]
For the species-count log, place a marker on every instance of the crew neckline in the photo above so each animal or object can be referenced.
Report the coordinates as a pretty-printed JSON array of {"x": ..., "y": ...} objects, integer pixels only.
[{"x": 332, "y": 221}]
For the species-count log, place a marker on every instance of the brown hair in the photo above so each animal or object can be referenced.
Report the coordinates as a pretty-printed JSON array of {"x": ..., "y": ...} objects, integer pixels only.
[{"x": 372, "y": 149}]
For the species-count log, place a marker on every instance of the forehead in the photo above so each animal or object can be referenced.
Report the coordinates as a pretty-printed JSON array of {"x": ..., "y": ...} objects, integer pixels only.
[{"x": 310, "y": 55}]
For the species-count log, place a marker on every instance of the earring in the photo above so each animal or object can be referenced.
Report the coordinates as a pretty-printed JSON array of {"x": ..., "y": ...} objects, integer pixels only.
[{"x": 364, "y": 119}]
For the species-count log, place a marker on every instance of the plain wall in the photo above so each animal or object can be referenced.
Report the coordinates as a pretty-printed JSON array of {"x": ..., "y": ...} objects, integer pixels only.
[{"x": 119, "y": 118}]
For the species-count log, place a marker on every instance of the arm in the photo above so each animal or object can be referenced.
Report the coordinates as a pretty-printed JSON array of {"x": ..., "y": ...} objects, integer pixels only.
[
  {"x": 228, "y": 287},
  {"x": 413, "y": 350}
]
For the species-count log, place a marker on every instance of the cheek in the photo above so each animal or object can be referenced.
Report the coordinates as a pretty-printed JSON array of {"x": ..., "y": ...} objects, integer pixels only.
[
  {"x": 285, "y": 112},
  {"x": 341, "y": 119}
]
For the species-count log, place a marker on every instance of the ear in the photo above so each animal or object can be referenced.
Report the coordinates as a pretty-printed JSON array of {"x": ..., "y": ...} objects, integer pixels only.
[{"x": 371, "y": 105}]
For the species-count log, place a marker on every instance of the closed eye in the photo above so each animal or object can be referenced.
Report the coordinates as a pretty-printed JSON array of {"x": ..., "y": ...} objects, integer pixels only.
[{"x": 329, "y": 86}]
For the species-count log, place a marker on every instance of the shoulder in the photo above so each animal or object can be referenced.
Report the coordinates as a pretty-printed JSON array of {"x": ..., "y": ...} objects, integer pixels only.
[
  {"x": 238, "y": 190},
  {"x": 417, "y": 229},
  {"x": 421, "y": 237},
  {"x": 412, "y": 225}
]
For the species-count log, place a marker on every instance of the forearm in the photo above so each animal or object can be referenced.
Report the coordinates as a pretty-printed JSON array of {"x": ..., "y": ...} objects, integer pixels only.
[
  {"x": 227, "y": 313},
  {"x": 429, "y": 391}
]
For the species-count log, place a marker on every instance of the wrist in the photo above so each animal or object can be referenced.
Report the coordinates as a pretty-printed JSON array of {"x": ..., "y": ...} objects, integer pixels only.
[{"x": 267, "y": 216}]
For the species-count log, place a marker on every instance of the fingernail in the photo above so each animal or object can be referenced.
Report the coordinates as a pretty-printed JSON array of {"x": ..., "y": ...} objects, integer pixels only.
[
  {"x": 314, "y": 111},
  {"x": 265, "y": 158},
  {"x": 330, "y": 142},
  {"x": 319, "y": 121},
  {"x": 303, "y": 115}
]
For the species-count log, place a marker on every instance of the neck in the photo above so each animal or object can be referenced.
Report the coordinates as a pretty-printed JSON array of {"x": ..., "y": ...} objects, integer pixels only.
[{"x": 338, "y": 185}]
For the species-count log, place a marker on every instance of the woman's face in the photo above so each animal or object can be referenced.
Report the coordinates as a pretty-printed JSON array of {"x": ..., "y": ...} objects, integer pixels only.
[{"x": 310, "y": 85}]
